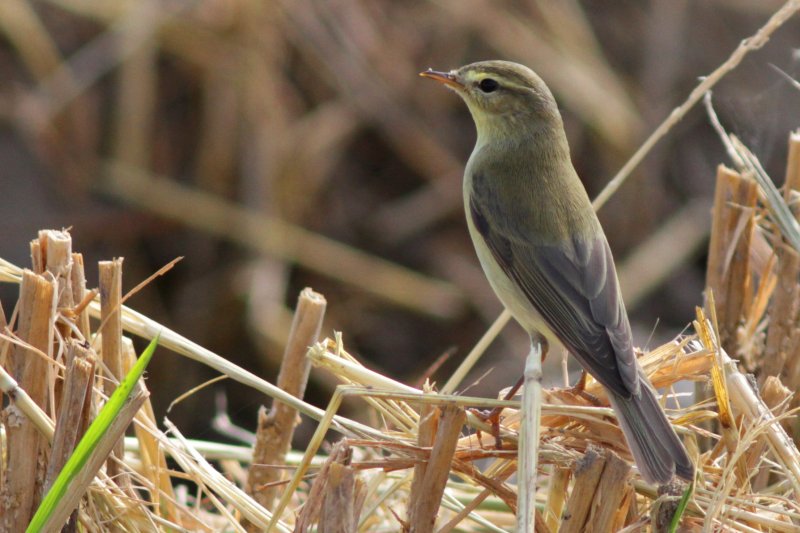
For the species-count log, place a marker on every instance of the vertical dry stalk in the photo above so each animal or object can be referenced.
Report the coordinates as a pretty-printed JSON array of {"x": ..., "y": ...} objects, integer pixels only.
[
  {"x": 4, "y": 345},
  {"x": 111, "y": 352},
  {"x": 587, "y": 477},
  {"x": 343, "y": 499},
  {"x": 312, "y": 507},
  {"x": 425, "y": 503},
  {"x": 783, "y": 309},
  {"x": 610, "y": 492},
  {"x": 781, "y": 343},
  {"x": 56, "y": 254},
  {"x": 556, "y": 496},
  {"x": 81, "y": 482},
  {"x": 57, "y": 249},
  {"x": 783, "y": 339},
  {"x": 78, "y": 381},
  {"x": 24, "y": 476},
  {"x": 154, "y": 463},
  {"x": 775, "y": 396},
  {"x": 728, "y": 273},
  {"x": 274, "y": 434},
  {"x": 428, "y": 422},
  {"x": 78, "y": 282}
]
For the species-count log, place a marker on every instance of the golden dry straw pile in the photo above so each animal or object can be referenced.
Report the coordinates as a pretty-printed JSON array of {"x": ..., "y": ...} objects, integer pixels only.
[{"x": 425, "y": 461}]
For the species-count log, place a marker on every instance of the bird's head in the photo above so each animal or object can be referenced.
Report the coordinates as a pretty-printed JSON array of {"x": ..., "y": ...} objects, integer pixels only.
[{"x": 504, "y": 98}]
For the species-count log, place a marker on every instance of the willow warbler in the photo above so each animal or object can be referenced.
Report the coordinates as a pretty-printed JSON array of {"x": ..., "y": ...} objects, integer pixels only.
[{"x": 541, "y": 246}]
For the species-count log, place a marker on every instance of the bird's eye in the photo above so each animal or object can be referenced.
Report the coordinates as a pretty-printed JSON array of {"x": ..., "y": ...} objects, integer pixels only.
[{"x": 488, "y": 85}]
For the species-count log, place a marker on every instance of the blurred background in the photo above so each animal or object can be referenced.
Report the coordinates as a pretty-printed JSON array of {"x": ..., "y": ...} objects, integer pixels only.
[{"x": 281, "y": 144}]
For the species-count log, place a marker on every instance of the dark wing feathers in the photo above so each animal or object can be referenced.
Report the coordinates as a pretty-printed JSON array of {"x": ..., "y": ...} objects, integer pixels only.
[{"x": 574, "y": 287}]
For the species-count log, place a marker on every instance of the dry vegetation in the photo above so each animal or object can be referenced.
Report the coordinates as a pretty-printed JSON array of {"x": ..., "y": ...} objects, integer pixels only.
[{"x": 285, "y": 96}]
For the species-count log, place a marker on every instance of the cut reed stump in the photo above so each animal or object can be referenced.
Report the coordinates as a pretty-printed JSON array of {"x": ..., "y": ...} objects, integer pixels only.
[
  {"x": 782, "y": 349},
  {"x": 601, "y": 483},
  {"x": 423, "y": 504},
  {"x": 275, "y": 430},
  {"x": 728, "y": 272},
  {"x": 111, "y": 341},
  {"x": 25, "y": 447},
  {"x": 336, "y": 496},
  {"x": 75, "y": 407}
]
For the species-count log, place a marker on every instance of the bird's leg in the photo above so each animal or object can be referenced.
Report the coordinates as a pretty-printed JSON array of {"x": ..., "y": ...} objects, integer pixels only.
[
  {"x": 580, "y": 389},
  {"x": 528, "y": 447},
  {"x": 580, "y": 386},
  {"x": 493, "y": 416}
]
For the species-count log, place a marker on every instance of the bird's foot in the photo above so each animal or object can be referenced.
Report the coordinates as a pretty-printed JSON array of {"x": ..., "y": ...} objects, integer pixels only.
[
  {"x": 493, "y": 417},
  {"x": 579, "y": 389}
]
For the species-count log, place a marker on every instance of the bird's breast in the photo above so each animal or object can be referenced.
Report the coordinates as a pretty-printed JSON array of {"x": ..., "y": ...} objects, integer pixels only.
[{"x": 504, "y": 287}]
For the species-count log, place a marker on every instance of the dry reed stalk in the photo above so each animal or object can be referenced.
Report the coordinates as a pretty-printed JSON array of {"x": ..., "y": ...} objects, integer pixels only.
[
  {"x": 424, "y": 505},
  {"x": 344, "y": 497},
  {"x": 310, "y": 511},
  {"x": 154, "y": 461},
  {"x": 111, "y": 342},
  {"x": 77, "y": 392},
  {"x": 607, "y": 513},
  {"x": 556, "y": 497},
  {"x": 776, "y": 397},
  {"x": 751, "y": 406},
  {"x": 781, "y": 343},
  {"x": 101, "y": 454},
  {"x": 275, "y": 430},
  {"x": 728, "y": 273},
  {"x": 25, "y": 475},
  {"x": 55, "y": 248},
  {"x": 78, "y": 283},
  {"x": 428, "y": 422},
  {"x": 588, "y": 472},
  {"x": 529, "y": 435},
  {"x": 57, "y": 251}
]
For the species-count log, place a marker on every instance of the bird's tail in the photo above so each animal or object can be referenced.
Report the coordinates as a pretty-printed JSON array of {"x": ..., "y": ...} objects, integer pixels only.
[{"x": 658, "y": 451}]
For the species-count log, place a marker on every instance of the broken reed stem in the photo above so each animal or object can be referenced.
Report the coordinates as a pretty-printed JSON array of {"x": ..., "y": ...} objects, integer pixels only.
[
  {"x": 783, "y": 340},
  {"x": 728, "y": 271},
  {"x": 528, "y": 451},
  {"x": 749, "y": 404},
  {"x": 25, "y": 475},
  {"x": 310, "y": 512},
  {"x": 775, "y": 397},
  {"x": 77, "y": 391},
  {"x": 154, "y": 462},
  {"x": 428, "y": 422},
  {"x": 556, "y": 497},
  {"x": 344, "y": 496},
  {"x": 587, "y": 477},
  {"x": 102, "y": 452},
  {"x": 78, "y": 283},
  {"x": 111, "y": 339},
  {"x": 57, "y": 248},
  {"x": 607, "y": 513},
  {"x": 275, "y": 430},
  {"x": 426, "y": 506}
]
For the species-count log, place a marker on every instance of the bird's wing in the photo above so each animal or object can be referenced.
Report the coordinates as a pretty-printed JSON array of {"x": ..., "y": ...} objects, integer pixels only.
[{"x": 574, "y": 287}]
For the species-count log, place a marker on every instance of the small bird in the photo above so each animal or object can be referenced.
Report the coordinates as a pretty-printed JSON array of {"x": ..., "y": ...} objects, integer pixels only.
[{"x": 544, "y": 252}]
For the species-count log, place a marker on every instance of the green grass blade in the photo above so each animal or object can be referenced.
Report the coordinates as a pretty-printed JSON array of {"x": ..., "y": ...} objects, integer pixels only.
[
  {"x": 676, "y": 518},
  {"x": 88, "y": 443}
]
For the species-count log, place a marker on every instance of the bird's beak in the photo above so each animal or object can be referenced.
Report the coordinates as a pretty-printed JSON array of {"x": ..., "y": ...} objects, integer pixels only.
[{"x": 448, "y": 78}]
